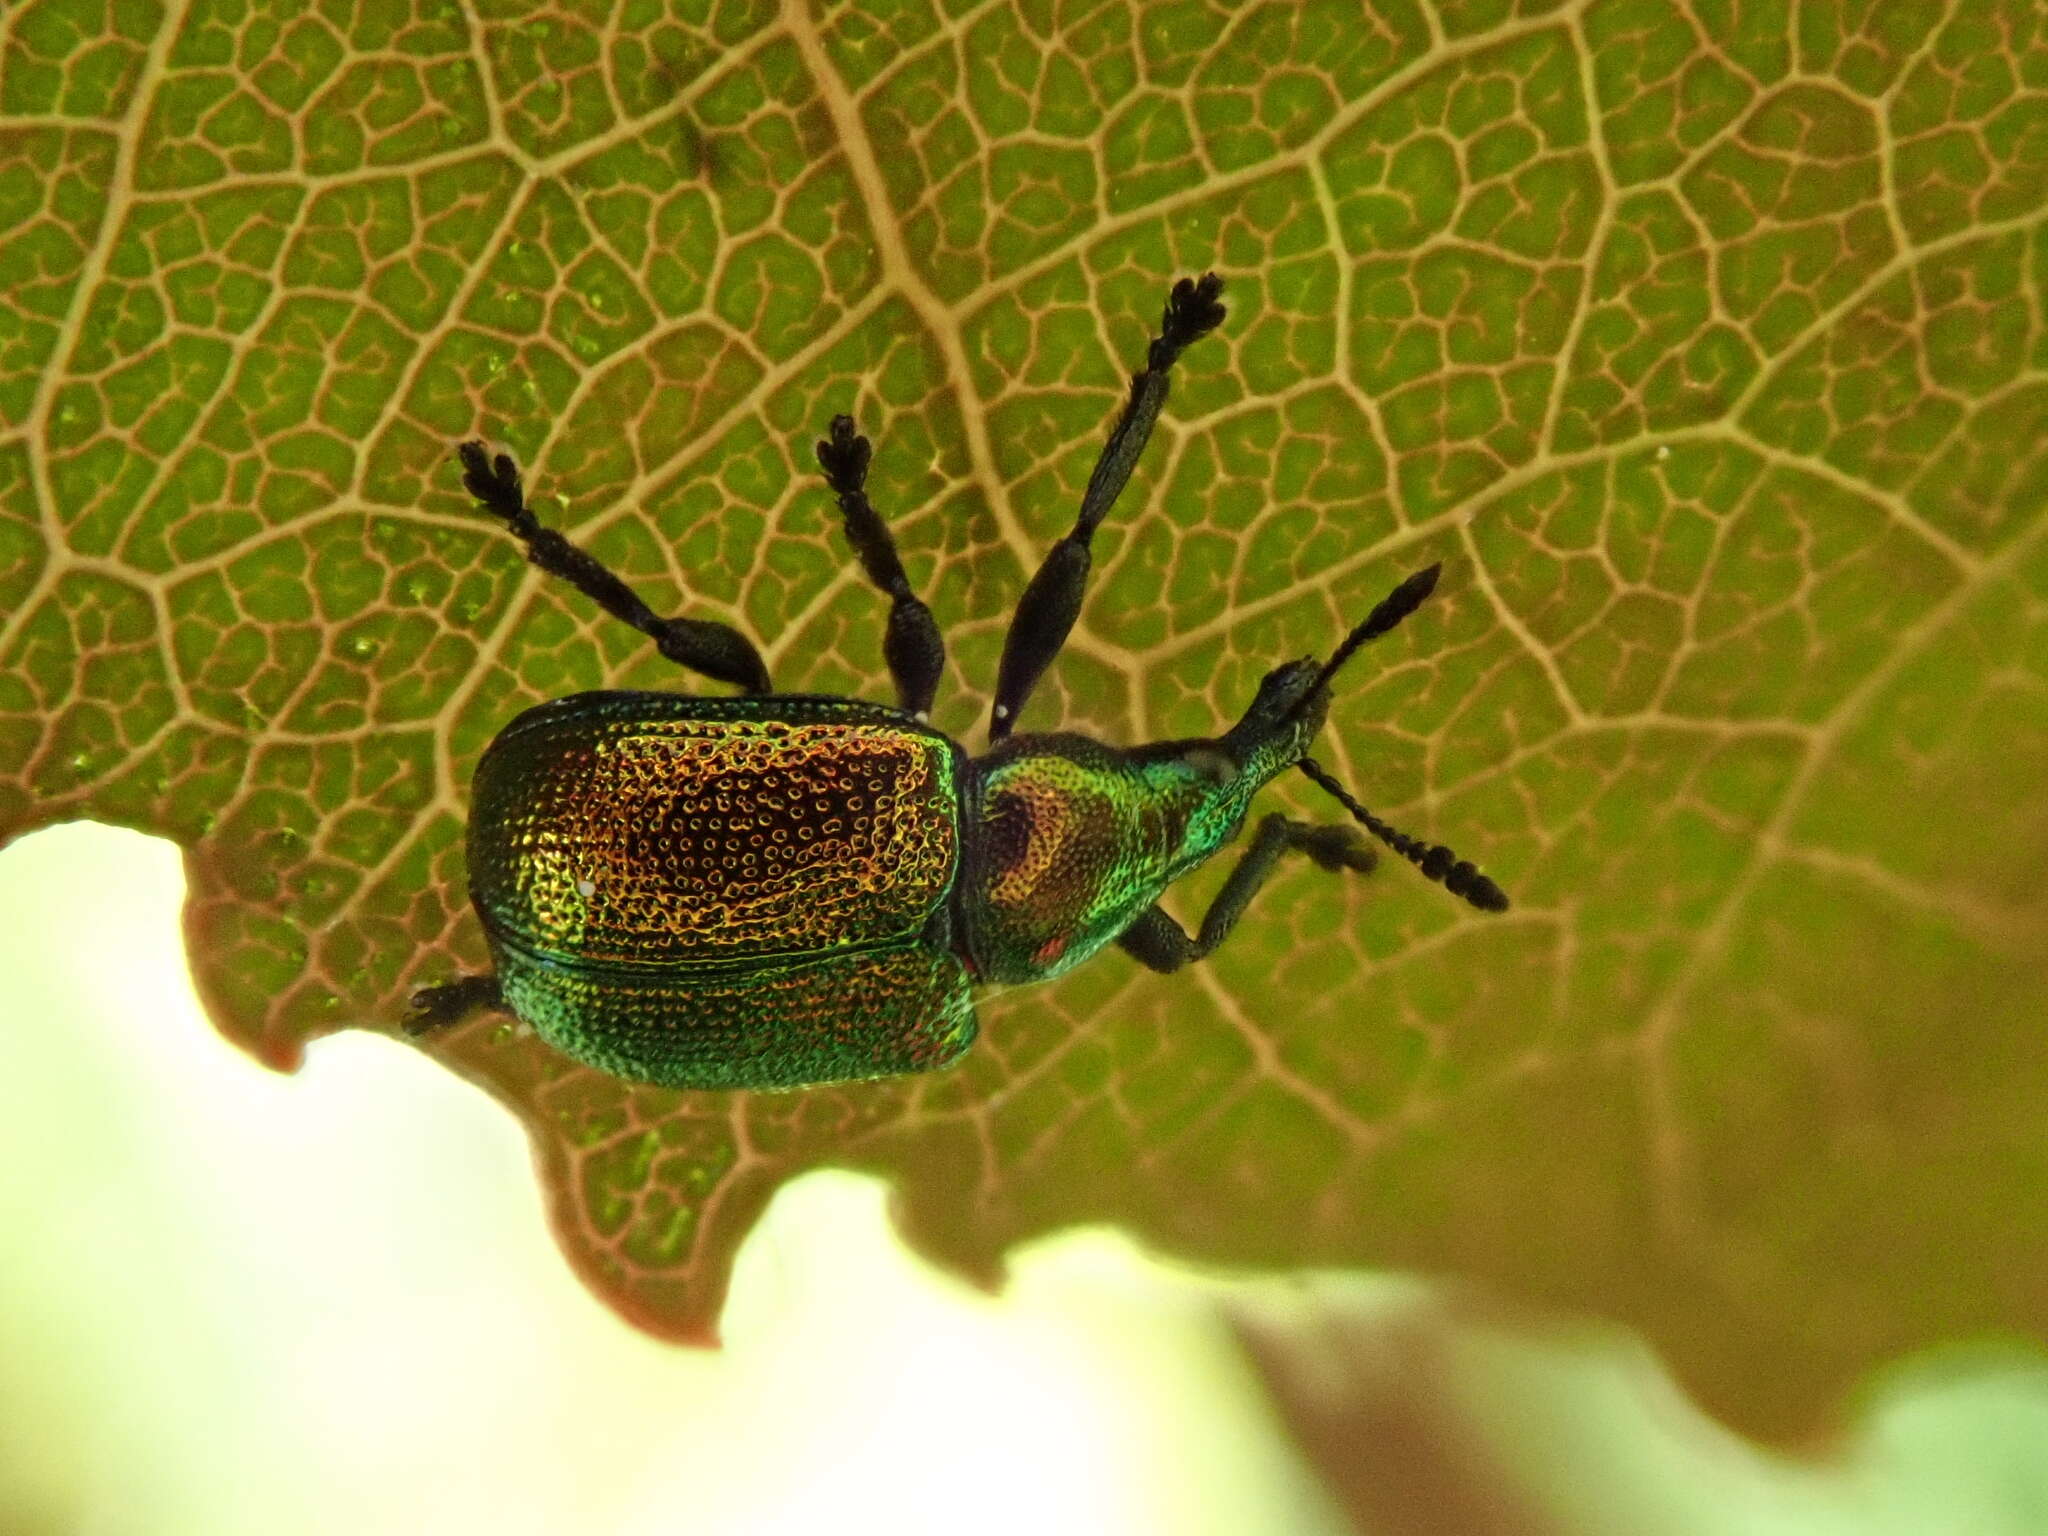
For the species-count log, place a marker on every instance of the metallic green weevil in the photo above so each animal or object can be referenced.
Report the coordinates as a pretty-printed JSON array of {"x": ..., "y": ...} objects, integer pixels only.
[{"x": 775, "y": 890}]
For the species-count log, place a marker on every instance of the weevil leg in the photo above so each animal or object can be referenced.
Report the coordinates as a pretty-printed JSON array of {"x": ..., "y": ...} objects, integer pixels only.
[
  {"x": 1046, "y": 613},
  {"x": 450, "y": 1003},
  {"x": 912, "y": 646},
  {"x": 1157, "y": 941},
  {"x": 718, "y": 651}
]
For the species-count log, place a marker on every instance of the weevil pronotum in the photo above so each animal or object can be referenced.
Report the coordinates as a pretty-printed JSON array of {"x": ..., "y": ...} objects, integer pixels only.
[{"x": 778, "y": 890}]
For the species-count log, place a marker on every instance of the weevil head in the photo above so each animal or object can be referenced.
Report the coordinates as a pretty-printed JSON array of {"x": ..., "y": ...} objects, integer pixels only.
[
  {"x": 1273, "y": 735},
  {"x": 1283, "y": 720},
  {"x": 1294, "y": 699}
]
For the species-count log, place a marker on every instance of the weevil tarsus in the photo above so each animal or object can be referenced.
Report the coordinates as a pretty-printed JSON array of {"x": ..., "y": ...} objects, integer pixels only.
[{"x": 435, "y": 1008}]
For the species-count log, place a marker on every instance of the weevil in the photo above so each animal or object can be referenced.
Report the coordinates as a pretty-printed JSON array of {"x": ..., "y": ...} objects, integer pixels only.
[{"x": 773, "y": 891}]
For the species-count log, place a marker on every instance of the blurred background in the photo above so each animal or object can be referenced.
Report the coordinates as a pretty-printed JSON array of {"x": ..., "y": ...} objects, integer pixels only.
[{"x": 234, "y": 1302}]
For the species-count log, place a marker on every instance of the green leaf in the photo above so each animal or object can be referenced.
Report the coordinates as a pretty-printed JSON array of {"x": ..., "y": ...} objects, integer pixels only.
[{"x": 1707, "y": 350}]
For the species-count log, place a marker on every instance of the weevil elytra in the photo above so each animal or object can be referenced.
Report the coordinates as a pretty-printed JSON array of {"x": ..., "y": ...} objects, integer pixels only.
[{"x": 778, "y": 890}]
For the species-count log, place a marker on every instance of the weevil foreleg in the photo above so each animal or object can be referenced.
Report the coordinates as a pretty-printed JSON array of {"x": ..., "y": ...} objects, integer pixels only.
[
  {"x": 718, "y": 651},
  {"x": 912, "y": 646},
  {"x": 1157, "y": 941},
  {"x": 1046, "y": 613},
  {"x": 438, "y": 1007}
]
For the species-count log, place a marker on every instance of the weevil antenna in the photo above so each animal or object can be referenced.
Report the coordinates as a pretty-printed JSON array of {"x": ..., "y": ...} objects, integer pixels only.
[
  {"x": 1389, "y": 611},
  {"x": 1436, "y": 861}
]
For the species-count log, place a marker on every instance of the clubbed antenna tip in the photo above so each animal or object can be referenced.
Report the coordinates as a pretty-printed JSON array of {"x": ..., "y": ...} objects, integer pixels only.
[
  {"x": 1458, "y": 876},
  {"x": 1389, "y": 611}
]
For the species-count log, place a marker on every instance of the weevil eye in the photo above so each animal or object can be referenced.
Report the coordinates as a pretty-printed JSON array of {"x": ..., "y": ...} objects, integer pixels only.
[{"x": 1212, "y": 764}]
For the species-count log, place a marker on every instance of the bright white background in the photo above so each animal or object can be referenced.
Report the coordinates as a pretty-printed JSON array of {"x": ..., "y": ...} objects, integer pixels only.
[{"x": 232, "y": 1302}]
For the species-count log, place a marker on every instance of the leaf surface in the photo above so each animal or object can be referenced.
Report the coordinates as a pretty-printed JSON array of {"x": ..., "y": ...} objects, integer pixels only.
[{"x": 1705, "y": 346}]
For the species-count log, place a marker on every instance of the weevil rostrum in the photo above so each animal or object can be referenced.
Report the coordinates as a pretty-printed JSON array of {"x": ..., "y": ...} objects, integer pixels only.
[{"x": 772, "y": 891}]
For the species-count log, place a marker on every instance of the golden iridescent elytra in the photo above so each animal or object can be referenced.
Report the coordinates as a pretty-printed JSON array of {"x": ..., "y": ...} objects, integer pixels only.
[{"x": 778, "y": 890}]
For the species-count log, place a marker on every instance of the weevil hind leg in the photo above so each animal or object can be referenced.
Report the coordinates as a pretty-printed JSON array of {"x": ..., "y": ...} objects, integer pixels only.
[
  {"x": 1052, "y": 602},
  {"x": 1155, "y": 940},
  {"x": 718, "y": 651},
  {"x": 435, "y": 1008},
  {"x": 912, "y": 646}
]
